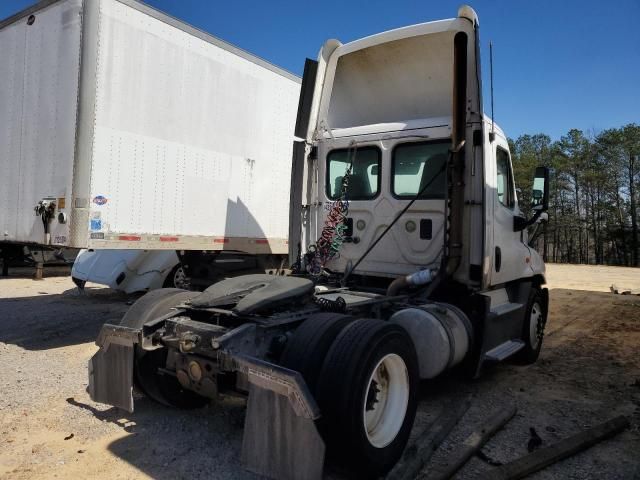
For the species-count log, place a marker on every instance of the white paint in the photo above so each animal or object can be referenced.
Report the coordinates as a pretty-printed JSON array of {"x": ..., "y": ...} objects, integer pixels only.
[
  {"x": 189, "y": 139},
  {"x": 386, "y": 400},
  {"x": 38, "y": 99},
  {"x": 517, "y": 259},
  {"x": 143, "y": 269}
]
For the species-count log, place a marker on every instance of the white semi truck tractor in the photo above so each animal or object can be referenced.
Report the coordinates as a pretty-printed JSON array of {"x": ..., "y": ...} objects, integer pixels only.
[{"x": 409, "y": 256}]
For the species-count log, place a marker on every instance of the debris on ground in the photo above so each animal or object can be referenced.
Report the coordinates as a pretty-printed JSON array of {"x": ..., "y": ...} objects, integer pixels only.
[
  {"x": 624, "y": 291},
  {"x": 567, "y": 447},
  {"x": 534, "y": 440},
  {"x": 417, "y": 454},
  {"x": 472, "y": 444},
  {"x": 487, "y": 459}
]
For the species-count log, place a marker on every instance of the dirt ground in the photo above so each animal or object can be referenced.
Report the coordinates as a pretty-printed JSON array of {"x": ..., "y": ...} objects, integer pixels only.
[{"x": 588, "y": 372}]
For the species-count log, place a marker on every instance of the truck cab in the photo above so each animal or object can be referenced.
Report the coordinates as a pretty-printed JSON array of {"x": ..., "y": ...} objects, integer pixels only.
[{"x": 384, "y": 113}]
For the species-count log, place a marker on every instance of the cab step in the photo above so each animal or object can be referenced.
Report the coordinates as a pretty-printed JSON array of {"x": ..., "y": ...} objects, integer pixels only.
[
  {"x": 506, "y": 308},
  {"x": 504, "y": 350}
]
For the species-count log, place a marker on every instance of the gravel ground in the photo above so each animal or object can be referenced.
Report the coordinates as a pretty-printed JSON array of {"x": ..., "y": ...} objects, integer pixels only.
[{"x": 589, "y": 371}]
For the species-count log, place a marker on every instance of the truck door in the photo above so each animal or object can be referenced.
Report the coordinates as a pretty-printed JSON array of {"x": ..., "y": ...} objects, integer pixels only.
[{"x": 510, "y": 254}]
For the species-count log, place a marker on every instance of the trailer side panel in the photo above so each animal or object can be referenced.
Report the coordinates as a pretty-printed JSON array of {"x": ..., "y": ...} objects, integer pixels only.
[
  {"x": 39, "y": 63},
  {"x": 186, "y": 132}
]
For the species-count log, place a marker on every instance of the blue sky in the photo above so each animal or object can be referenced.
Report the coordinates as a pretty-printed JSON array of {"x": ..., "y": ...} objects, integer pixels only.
[{"x": 557, "y": 64}]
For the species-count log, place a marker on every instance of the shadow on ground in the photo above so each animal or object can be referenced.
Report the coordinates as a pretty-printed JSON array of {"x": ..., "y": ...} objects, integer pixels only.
[
  {"x": 52, "y": 321},
  {"x": 166, "y": 444},
  {"x": 28, "y": 272}
]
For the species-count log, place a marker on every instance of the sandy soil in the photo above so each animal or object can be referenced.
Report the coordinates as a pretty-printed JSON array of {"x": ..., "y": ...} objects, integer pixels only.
[
  {"x": 589, "y": 371},
  {"x": 593, "y": 278}
]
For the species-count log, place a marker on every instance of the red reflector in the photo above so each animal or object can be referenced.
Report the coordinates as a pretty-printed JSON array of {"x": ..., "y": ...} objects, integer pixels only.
[
  {"x": 220, "y": 240},
  {"x": 129, "y": 238},
  {"x": 262, "y": 240},
  {"x": 168, "y": 239}
]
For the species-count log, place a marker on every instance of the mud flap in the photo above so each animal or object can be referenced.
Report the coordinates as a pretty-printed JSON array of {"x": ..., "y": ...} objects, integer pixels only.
[
  {"x": 111, "y": 368},
  {"x": 280, "y": 436}
]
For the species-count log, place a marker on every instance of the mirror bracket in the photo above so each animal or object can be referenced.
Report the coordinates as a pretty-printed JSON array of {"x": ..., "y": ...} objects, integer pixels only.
[{"x": 520, "y": 223}]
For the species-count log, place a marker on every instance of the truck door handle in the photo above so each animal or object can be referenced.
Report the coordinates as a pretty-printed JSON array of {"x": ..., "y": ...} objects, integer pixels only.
[{"x": 498, "y": 259}]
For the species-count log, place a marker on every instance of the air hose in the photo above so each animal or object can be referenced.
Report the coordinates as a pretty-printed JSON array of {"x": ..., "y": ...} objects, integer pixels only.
[{"x": 335, "y": 225}]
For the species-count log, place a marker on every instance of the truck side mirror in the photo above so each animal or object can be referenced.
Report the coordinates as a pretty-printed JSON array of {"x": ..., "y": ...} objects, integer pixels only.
[
  {"x": 539, "y": 199},
  {"x": 540, "y": 190}
]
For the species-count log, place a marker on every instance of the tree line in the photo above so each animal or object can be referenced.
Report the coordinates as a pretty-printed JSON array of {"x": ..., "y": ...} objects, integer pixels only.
[{"x": 593, "y": 200}]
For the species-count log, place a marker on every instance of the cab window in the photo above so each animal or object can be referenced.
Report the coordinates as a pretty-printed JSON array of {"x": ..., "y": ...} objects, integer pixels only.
[
  {"x": 364, "y": 180},
  {"x": 504, "y": 179},
  {"x": 416, "y": 165}
]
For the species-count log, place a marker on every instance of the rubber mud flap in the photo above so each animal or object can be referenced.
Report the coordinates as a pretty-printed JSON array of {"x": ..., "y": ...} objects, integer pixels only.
[
  {"x": 278, "y": 443},
  {"x": 111, "y": 374}
]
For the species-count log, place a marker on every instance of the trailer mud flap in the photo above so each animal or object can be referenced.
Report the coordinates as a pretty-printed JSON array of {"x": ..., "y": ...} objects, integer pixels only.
[
  {"x": 111, "y": 368},
  {"x": 280, "y": 436}
]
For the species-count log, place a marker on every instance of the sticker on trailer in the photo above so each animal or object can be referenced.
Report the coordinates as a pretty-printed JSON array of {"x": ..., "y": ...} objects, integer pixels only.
[
  {"x": 96, "y": 224},
  {"x": 97, "y": 236},
  {"x": 100, "y": 200}
]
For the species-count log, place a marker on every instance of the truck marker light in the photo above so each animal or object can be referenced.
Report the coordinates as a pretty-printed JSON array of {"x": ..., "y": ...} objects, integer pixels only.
[
  {"x": 169, "y": 239},
  {"x": 129, "y": 238}
]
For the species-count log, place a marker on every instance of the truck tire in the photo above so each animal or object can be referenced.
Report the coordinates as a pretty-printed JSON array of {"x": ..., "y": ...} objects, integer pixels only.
[
  {"x": 368, "y": 395},
  {"x": 164, "y": 389},
  {"x": 535, "y": 319},
  {"x": 308, "y": 347}
]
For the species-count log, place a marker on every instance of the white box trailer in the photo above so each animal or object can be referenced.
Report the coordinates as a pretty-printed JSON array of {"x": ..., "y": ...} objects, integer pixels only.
[{"x": 125, "y": 128}]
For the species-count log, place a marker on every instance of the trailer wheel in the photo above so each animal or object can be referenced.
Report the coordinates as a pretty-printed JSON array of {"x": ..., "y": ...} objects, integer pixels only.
[
  {"x": 533, "y": 327},
  {"x": 308, "y": 347},
  {"x": 367, "y": 393},
  {"x": 164, "y": 389},
  {"x": 177, "y": 278}
]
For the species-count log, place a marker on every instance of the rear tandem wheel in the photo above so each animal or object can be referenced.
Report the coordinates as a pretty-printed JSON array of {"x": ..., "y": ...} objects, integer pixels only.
[
  {"x": 164, "y": 389},
  {"x": 368, "y": 395},
  {"x": 306, "y": 350}
]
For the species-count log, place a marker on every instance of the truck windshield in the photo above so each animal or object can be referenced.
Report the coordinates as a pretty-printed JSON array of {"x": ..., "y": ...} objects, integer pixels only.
[
  {"x": 416, "y": 164},
  {"x": 364, "y": 181}
]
